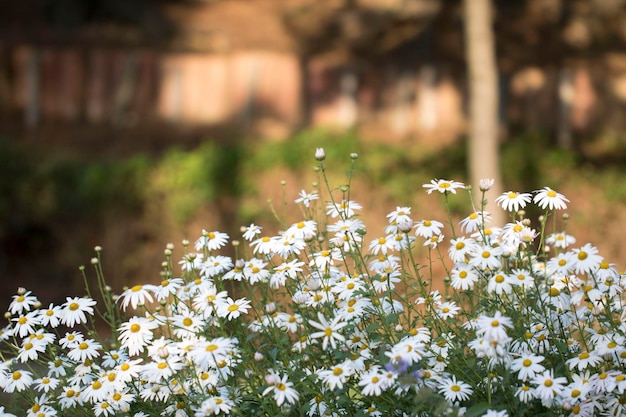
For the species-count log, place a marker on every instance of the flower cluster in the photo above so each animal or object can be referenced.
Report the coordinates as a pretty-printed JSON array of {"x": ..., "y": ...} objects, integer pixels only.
[{"x": 323, "y": 320}]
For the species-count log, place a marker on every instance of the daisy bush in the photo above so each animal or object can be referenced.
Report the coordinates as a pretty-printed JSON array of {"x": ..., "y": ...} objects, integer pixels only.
[{"x": 424, "y": 317}]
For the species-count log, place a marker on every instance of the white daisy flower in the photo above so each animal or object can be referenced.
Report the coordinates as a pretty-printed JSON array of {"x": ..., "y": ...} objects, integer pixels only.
[
  {"x": 443, "y": 186},
  {"x": 329, "y": 330},
  {"x": 137, "y": 295},
  {"x": 454, "y": 390},
  {"x": 513, "y": 201},
  {"x": 282, "y": 390},
  {"x": 548, "y": 198}
]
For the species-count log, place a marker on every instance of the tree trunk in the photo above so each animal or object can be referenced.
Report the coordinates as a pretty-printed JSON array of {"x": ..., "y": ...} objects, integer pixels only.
[{"x": 483, "y": 101}]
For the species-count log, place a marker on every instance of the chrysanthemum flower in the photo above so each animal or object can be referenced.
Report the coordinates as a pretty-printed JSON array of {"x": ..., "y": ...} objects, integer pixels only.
[
  {"x": 381, "y": 245},
  {"x": 250, "y": 232},
  {"x": 50, "y": 316},
  {"x": 231, "y": 309},
  {"x": 548, "y": 198},
  {"x": 460, "y": 248},
  {"x": 493, "y": 328},
  {"x": 586, "y": 259},
  {"x": 560, "y": 240},
  {"x": 306, "y": 198},
  {"x": 282, "y": 390},
  {"x": 329, "y": 330},
  {"x": 336, "y": 377},
  {"x": 30, "y": 349},
  {"x": 513, "y": 201},
  {"x": 443, "y": 186},
  {"x": 211, "y": 241},
  {"x": 454, "y": 390},
  {"x": 18, "y": 380},
  {"x": 500, "y": 283},
  {"x": 527, "y": 366},
  {"x": 548, "y": 386},
  {"x": 22, "y": 302},
  {"x": 486, "y": 257},
  {"x": 428, "y": 228},
  {"x": 584, "y": 360},
  {"x": 137, "y": 295},
  {"x": 475, "y": 221},
  {"x": 463, "y": 277},
  {"x": 87, "y": 349},
  {"x": 373, "y": 382},
  {"x": 25, "y": 324},
  {"x": 136, "y": 333},
  {"x": 345, "y": 210}
]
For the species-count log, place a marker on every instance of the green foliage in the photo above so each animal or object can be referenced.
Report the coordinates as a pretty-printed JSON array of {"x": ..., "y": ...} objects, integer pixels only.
[{"x": 295, "y": 153}]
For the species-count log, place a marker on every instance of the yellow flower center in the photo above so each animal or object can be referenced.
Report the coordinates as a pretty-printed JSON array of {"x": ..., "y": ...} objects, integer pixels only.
[
  {"x": 337, "y": 371},
  {"x": 551, "y": 194},
  {"x": 233, "y": 307},
  {"x": 211, "y": 347},
  {"x": 187, "y": 322},
  {"x": 455, "y": 388},
  {"x": 527, "y": 363},
  {"x": 134, "y": 328},
  {"x": 136, "y": 288},
  {"x": 459, "y": 245},
  {"x": 582, "y": 255}
]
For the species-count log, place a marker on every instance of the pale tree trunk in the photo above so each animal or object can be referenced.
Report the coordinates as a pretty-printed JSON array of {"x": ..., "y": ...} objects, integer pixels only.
[{"x": 483, "y": 102}]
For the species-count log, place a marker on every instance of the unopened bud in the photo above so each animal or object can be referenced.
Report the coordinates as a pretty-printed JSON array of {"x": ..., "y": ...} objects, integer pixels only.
[{"x": 485, "y": 184}]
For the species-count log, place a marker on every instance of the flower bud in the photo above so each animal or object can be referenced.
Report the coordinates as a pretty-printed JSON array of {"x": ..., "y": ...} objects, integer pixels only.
[
  {"x": 485, "y": 184},
  {"x": 258, "y": 356},
  {"x": 320, "y": 155}
]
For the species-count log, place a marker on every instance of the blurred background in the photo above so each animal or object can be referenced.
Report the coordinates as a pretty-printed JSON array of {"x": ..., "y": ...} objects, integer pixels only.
[{"x": 133, "y": 123}]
